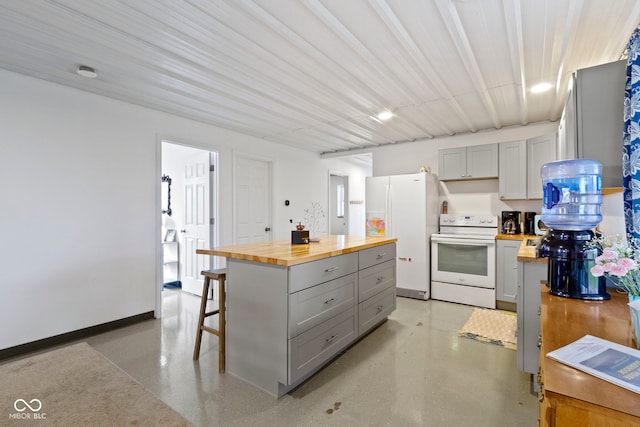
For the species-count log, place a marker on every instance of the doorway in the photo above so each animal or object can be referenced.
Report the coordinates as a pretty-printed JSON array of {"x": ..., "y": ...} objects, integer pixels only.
[
  {"x": 338, "y": 209},
  {"x": 251, "y": 199},
  {"x": 190, "y": 222}
]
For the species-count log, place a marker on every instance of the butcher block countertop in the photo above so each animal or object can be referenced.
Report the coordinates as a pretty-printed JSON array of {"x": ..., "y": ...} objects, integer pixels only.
[
  {"x": 503, "y": 236},
  {"x": 528, "y": 253},
  {"x": 525, "y": 253},
  {"x": 282, "y": 252}
]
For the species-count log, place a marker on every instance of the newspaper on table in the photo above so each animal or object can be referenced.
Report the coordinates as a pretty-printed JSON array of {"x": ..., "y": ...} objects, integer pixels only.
[{"x": 604, "y": 359}]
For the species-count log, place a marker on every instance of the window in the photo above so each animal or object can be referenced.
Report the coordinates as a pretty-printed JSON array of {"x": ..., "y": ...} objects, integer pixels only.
[{"x": 340, "y": 201}]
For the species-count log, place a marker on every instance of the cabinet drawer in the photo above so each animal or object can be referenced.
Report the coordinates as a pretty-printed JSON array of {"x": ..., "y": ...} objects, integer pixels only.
[
  {"x": 305, "y": 275},
  {"x": 373, "y": 256},
  {"x": 375, "y": 309},
  {"x": 373, "y": 280},
  {"x": 312, "y": 306},
  {"x": 311, "y": 349}
]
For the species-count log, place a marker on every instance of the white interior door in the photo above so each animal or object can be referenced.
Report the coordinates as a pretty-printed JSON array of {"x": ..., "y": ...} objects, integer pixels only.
[
  {"x": 252, "y": 200},
  {"x": 339, "y": 212},
  {"x": 196, "y": 232}
]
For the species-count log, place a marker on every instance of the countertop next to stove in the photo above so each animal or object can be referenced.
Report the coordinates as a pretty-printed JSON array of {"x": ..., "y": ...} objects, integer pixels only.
[
  {"x": 526, "y": 253},
  {"x": 503, "y": 236}
]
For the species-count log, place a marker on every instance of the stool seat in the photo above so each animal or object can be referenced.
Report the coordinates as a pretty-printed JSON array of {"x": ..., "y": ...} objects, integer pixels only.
[{"x": 220, "y": 275}]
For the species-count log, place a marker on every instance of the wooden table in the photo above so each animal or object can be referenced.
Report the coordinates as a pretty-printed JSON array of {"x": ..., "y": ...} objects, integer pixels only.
[{"x": 569, "y": 396}]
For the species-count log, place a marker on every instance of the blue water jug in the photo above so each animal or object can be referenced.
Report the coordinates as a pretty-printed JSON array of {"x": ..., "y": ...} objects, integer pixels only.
[{"x": 572, "y": 194}]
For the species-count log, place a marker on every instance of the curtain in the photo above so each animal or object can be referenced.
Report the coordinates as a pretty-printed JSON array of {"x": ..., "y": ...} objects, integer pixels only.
[{"x": 631, "y": 142}]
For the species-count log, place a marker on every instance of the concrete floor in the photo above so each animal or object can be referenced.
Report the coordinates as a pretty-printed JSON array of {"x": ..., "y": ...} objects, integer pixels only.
[{"x": 414, "y": 370}]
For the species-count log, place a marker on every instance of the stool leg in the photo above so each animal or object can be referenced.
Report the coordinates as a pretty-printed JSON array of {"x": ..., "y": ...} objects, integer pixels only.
[
  {"x": 222, "y": 325},
  {"x": 203, "y": 309}
]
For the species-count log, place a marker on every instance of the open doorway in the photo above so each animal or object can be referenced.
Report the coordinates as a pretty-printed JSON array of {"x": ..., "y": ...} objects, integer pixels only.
[{"x": 189, "y": 206}]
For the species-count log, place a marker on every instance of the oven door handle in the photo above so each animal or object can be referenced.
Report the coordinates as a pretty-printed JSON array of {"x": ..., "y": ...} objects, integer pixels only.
[{"x": 465, "y": 242}]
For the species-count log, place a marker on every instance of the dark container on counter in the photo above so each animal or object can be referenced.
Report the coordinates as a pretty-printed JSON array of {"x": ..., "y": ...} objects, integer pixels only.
[{"x": 570, "y": 261}]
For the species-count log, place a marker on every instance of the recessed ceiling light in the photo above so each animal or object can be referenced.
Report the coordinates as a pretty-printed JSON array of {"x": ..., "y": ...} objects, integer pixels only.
[
  {"x": 87, "y": 72},
  {"x": 385, "y": 115},
  {"x": 542, "y": 87}
]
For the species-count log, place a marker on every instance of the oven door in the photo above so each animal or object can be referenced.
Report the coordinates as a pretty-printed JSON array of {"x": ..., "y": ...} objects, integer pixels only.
[{"x": 470, "y": 262}]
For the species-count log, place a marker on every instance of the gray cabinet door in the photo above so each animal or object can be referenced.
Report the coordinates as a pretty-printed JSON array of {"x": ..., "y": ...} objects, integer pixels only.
[
  {"x": 530, "y": 275},
  {"x": 482, "y": 161},
  {"x": 507, "y": 274},
  {"x": 452, "y": 163},
  {"x": 512, "y": 176},
  {"x": 540, "y": 150}
]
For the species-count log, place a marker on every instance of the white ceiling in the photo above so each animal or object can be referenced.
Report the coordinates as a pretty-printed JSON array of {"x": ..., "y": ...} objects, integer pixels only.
[{"x": 312, "y": 73}]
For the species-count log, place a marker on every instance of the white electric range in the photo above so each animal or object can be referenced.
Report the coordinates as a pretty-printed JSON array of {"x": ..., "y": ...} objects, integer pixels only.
[{"x": 463, "y": 259}]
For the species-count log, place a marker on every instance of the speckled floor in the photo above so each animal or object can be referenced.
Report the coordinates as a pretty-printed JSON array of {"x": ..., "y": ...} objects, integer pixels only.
[{"x": 414, "y": 370}]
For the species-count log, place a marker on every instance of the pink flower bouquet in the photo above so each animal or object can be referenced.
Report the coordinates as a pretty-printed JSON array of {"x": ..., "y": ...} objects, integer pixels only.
[{"x": 618, "y": 264}]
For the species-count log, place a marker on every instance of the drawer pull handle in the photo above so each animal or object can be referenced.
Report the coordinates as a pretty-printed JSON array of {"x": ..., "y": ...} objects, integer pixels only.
[
  {"x": 379, "y": 309},
  {"x": 380, "y": 279},
  {"x": 329, "y": 270},
  {"x": 329, "y": 301},
  {"x": 380, "y": 256},
  {"x": 331, "y": 338}
]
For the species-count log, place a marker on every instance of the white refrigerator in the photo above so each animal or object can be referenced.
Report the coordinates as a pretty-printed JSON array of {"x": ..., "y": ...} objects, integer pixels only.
[{"x": 405, "y": 207}]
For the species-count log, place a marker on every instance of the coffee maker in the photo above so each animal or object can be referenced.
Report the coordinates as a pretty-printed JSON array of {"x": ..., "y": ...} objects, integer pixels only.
[
  {"x": 511, "y": 222},
  {"x": 529, "y": 223}
]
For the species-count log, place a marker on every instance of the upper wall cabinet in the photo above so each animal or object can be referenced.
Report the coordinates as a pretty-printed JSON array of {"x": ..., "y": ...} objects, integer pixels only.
[
  {"x": 520, "y": 164},
  {"x": 512, "y": 179},
  {"x": 476, "y": 162},
  {"x": 592, "y": 122},
  {"x": 540, "y": 150}
]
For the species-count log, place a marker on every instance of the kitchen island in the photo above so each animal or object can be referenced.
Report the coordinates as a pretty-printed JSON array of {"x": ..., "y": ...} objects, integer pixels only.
[{"x": 291, "y": 309}]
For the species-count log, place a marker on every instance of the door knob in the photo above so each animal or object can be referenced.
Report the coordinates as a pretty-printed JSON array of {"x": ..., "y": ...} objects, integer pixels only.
[
  {"x": 267, "y": 229},
  {"x": 183, "y": 231}
]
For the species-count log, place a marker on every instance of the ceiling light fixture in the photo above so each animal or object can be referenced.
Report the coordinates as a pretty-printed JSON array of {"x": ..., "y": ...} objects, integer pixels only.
[
  {"x": 385, "y": 115},
  {"x": 539, "y": 88},
  {"x": 87, "y": 72}
]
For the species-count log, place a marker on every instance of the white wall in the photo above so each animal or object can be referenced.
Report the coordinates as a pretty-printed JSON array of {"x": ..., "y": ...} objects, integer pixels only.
[{"x": 80, "y": 203}]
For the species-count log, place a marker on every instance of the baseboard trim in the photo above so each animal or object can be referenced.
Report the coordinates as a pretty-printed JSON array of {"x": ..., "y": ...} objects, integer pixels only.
[{"x": 73, "y": 335}]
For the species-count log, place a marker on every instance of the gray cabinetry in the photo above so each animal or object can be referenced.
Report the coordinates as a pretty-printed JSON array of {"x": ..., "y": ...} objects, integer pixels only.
[
  {"x": 512, "y": 179},
  {"x": 519, "y": 166},
  {"x": 475, "y": 162},
  {"x": 377, "y": 286},
  {"x": 530, "y": 274},
  {"x": 592, "y": 122},
  {"x": 507, "y": 271},
  {"x": 314, "y": 305},
  {"x": 302, "y": 276},
  {"x": 285, "y": 323},
  {"x": 540, "y": 150}
]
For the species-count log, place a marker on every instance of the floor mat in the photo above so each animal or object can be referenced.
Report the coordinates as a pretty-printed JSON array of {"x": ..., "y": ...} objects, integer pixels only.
[
  {"x": 492, "y": 326},
  {"x": 77, "y": 386}
]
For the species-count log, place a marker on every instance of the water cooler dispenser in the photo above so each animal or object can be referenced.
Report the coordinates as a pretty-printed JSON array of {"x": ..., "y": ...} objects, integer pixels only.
[{"x": 571, "y": 209}]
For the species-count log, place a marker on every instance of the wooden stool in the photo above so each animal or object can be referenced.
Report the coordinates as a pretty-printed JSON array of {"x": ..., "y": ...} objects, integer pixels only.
[{"x": 219, "y": 275}]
